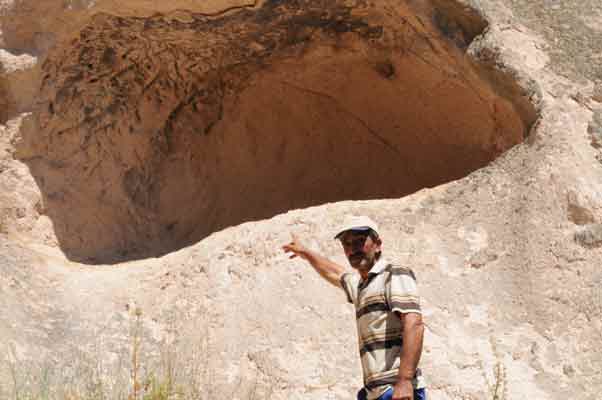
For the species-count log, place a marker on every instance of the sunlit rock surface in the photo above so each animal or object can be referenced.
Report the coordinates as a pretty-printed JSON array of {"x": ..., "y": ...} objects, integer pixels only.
[{"x": 135, "y": 139}]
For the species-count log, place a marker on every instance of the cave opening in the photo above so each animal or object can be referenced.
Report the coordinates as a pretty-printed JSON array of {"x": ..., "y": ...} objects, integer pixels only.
[{"x": 152, "y": 133}]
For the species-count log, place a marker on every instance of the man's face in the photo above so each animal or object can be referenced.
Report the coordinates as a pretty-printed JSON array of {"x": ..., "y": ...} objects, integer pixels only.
[{"x": 360, "y": 249}]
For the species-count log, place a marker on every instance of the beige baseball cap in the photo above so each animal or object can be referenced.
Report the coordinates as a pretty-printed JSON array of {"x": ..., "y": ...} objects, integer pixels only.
[{"x": 357, "y": 223}]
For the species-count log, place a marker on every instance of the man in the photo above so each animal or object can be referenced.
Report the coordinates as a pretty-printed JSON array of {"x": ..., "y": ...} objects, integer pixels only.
[{"x": 389, "y": 318}]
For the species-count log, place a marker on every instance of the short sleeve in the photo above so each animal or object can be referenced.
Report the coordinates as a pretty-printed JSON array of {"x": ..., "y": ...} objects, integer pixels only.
[
  {"x": 402, "y": 291},
  {"x": 349, "y": 284}
]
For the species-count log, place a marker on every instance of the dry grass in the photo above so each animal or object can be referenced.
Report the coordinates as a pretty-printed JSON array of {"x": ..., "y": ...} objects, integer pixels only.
[
  {"x": 178, "y": 372},
  {"x": 498, "y": 389},
  {"x": 497, "y": 382}
]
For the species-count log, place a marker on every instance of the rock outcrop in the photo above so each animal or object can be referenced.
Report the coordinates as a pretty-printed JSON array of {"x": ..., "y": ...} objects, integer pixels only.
[{"x": 150, "y": 133}]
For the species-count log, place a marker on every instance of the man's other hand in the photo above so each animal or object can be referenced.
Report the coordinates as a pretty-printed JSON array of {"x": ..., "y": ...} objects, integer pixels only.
[{"x": 403, "y": 390}]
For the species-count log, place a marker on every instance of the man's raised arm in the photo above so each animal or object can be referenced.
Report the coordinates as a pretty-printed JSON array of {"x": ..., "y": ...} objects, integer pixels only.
[{"x": 327, "y": 269}]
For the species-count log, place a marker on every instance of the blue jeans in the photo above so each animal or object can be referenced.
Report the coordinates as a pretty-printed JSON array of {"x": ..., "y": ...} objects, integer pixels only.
[{"x": 419, "y": 394}]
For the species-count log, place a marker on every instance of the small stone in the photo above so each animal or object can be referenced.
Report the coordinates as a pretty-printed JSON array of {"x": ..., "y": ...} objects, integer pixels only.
[
  {"x": 597, "y": 95},
  {"x": 590, "y": 236},
  {"x": 577, "y": 213},
  {"x": 568, "y": 370},
  {"x": 482, "y": 258},
  {"x": 594, "y": 130}
]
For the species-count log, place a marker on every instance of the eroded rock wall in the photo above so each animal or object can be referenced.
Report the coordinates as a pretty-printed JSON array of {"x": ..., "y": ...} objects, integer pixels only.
[{"x": 150, "y": 133}]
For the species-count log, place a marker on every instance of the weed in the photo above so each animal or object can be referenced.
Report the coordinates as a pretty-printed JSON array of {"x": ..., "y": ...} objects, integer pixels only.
[
  {"x": 176, "y": 369},
  {"x": 136, "y": 340},
  {"x": 497, "y": 382},
  {"x": 498, "y": 389}
]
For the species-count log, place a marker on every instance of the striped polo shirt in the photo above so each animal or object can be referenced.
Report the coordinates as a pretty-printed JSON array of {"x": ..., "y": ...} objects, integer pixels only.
[{"x": 388, "y": 288}]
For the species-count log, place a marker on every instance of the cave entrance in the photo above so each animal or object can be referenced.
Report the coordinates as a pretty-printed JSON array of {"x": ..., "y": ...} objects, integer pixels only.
[{"x": 273, "y": 109}]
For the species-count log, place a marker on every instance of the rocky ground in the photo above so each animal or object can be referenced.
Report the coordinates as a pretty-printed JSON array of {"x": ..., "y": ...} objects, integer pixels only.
[
  {"x": 507, "y": 257},
  {"x": 572, "y": 30}
]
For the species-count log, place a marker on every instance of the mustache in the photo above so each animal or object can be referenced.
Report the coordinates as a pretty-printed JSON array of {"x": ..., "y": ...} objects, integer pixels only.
[{"x": 355, "y": 255}]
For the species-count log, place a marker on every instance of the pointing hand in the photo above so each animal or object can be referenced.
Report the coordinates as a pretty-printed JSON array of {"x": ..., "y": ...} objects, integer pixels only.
[{"x": 295, "y": 247}]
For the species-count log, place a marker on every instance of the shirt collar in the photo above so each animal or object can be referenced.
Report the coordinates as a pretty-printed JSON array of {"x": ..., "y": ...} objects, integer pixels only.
[{"x": 378, "y": 267}]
